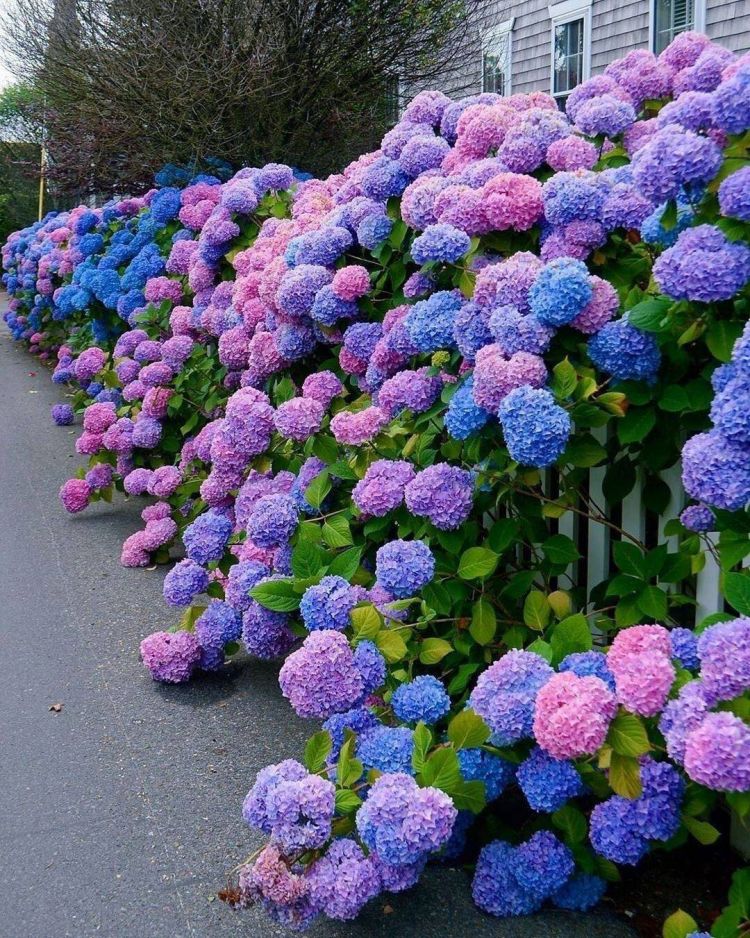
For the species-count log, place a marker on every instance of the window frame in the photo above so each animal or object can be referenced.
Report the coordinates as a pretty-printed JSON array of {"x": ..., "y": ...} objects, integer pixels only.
[
  {"x": 503, "y": 31},
  {"x": 569, "y": 11},
  {"x": 699, "y": 21}
]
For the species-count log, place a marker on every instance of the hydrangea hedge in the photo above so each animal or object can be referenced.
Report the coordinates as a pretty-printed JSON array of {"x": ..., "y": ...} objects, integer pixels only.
[{"x": 369, "y": 405}]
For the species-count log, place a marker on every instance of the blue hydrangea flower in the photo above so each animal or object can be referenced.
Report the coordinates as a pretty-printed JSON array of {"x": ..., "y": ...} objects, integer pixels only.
[
  {"x": 423, "y": 698},
  {"x": 581, "y": 893},
  {"x": 535, "y": 427},
  {"x": 464, "y": 416},
  {"x": 371, "y": 666},
  {"x": 387, "y": 748},
  {"x": 206, "y": 538},
  {"x": 404, "y": 567},
  {"x": 625, "y": 352},
  {"x": 360, "y": 720},
  {"x": 685, "y": 648},
  {"x": 327, "y": 604},
  {"x": 548, "y": 783},
  {"x": 589, "y": 664},
  {"x": 478, "y": 765},
  {"x": 430, "y": 323},
  {"x": 561, "y": 290},
  {"x": 440, "y": 242}
]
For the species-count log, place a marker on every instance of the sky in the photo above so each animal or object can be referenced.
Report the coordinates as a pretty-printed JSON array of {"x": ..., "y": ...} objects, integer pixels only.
[{"x": 6, "y": 77}]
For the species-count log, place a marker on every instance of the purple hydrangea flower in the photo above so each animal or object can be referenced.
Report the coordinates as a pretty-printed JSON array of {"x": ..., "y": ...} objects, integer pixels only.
[
  {"x": 206, "y": 538},
  {"x": 404, "y": 567},
  {"x": 443, "y": 494},
  {"x": 273, "y": 520},
  {"x": 321, "y": 678},
  {"x": 171, "y": 657},
  {"x": 186, "y": 580},
  {"x": 505, "y": 694}
]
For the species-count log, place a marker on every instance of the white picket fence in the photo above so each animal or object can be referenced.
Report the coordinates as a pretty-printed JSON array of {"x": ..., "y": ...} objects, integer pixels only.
[{"x": 594, "y": 539}]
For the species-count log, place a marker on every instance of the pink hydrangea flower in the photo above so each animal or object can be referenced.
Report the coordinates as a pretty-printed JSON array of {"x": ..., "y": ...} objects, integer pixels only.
[{"x": 572, "y": 715}]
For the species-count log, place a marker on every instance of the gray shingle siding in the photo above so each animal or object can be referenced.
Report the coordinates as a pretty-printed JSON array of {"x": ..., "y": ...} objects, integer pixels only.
[{"x": 617, "y": 26}]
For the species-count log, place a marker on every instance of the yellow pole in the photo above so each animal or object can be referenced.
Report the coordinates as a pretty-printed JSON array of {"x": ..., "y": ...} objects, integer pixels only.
[{"x": 42, "y": 164}]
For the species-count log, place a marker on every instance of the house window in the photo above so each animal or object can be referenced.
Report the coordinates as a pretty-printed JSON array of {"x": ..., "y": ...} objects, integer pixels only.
[
  {"x": 497, "y": 47},
  {"x": 571, "y": 46},
  {"x": 669, "y": 18}
]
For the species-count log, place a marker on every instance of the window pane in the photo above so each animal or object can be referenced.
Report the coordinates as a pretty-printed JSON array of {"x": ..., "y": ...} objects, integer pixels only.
[
  {"x": 671, "y": 17},
  {"x": 568, "y": 56},
  {"x": 496, "y": 65}
]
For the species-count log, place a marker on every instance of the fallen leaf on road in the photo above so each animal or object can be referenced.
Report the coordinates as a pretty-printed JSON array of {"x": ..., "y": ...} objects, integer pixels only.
[
  {"x": 56, "y": 708},
  {"x": 387, "y": 909}
]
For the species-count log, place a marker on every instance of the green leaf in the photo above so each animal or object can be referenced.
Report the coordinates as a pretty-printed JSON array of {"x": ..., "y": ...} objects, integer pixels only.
[
  {"x": 636, "y": 425},
  {"x": 391, "y": 645},
  {"x": 467, "y": 730},
  {"x": 433, "y": 650},
  {"x": 627, "y": 735},
  {"x": 629, "y": 559},
  {"x": 703, "y": 832},
  {"x": 536, "y": 611},
  {"x": 653, "y": 602},
  {"x": 619, "y": 480},
  {"x": 366, "y": 621},
  {"x": 503, "y": 533},
  {"x": 307, "y": 560},
  {"x": 679, "y": 925},
  {"x": 317, "y": 750},
  {"x": 572, "y": 822},
  {"x": 739, "y": 891},
  {"x": 674, "y": 398},
  {"x": 278, "y": 595},
  {"x": 737, "y": 592},
  {"x": 477, "y": 562},
  {"x": 625, "y": 776},
  {"x": 721, "y": 336},
  {"x": 583, "y": 452},
  {"x": 346, "y": 563},
  {"x": 442, "y": 771},
  {"x": 564, "y": 379},
  {"x": 470, "y": 796},
  {"x": 560, "y": 549},
  {"x": 336, "y": 532},
  {"x": 571, "y": 635},
  {"x": 649, "y": 314},
  {"x": 347, "y": 801},
  {"x": 422, "y": 744},
  {"x": 541, "y": 648},
  {"x": 317, "y": 490},
  {"x": 483, "y": 621}
]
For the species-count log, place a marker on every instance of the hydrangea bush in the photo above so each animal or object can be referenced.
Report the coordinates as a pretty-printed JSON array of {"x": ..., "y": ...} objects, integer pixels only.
[{"x": 369, "y": 406}]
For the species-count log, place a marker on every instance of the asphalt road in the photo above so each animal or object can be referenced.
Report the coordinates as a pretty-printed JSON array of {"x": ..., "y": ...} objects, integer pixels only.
[{"x": 120, "y": 814}]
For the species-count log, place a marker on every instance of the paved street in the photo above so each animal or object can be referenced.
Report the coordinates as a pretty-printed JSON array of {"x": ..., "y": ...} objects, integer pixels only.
[{"x": 120, "y": 813}]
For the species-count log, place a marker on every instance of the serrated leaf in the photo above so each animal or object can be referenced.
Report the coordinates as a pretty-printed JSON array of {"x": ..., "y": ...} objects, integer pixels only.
[
  {"x": 337, "y": 532},
  {"x": 391, "y": 645},
  {"x": 483, "y": 622},
  {"x": 536, "y": 611},
  {"x": 307, "y": 560},
  {"x": 366, "y": 621},
  {"x": 703, "y": 832},
  {"x": 347, "y": 801},
  {"x": 433, "y": 650},
  {"x": 560, "y": 549},
  {"x": 422, "y": 744},
  {"x": 442, "y": 771},
  {"x": 679, "y": 925},
  {"x": 737, "y": 592},
  {"x": 572, "y": 822},
  {"x": 346, "y": 563},
  {"x": 467, "y": 730},
  {"x": 470, "y": 796},
  {"x": 627, "y": 735},
  {"x": 652, "y": 602},
  {"x": 317, "y": 490},
  {"x": 277, "y": 595},
  {"x": 317, "y": 750},
  {"x": 571, "y": 635},
  {"x": 477, "y": 562},
  {"x": 625, "y": 776}
]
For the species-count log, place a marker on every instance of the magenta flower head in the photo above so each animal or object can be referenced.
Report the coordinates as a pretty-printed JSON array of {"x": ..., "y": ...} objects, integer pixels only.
[
  {"x": 299, "y": 418},
  {"x": 322, "y": 386},
  {"x": 572, "y": 715},
  {"x": 75, "y": 494},
  {"x": 354, "y": 429},
  {"x": 383, "y": 486},
  {"x": 171, "y": 657},
  {"x": 640, "y": 660},
  {"x": 321, "y": 678}
]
